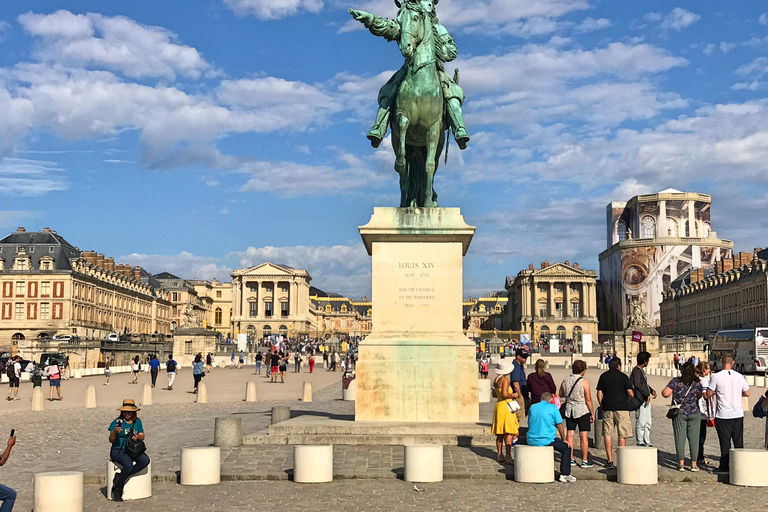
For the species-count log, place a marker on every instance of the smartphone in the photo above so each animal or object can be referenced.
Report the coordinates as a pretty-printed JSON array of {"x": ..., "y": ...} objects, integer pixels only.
[
  {"x": 119, "y": 423},
  {"x": 13, "y": 432}
]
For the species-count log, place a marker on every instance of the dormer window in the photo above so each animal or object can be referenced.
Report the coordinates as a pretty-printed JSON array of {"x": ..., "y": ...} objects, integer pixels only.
[
  {"x": 327, "y": 308},
  {"x": 51, "y": 249},
  {"x": 343, "y": 308}
]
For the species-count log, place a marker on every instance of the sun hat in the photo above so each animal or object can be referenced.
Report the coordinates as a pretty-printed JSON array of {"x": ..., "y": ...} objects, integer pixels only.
[
  {"x": 129, "y": 405},
  {"x": 503, "y": 367}
]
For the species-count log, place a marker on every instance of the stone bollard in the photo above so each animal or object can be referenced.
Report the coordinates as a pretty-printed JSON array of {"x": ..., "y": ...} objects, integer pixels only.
[
  {"x": 598, "y": 431},
  {"x": 306, "y": 396},
  {"x": 312, "y": 464},
  {"x": 280, "y": 413},
  {"x": 201, "y": 466},
  {"x": 424, "y": 463},
  {"x": 760, "y": 382},
  {"x": 38, "y": 400},
  {"x": 484, "y": 390},
  {"x": 637, "y": 465},
  {"x": 58, "y": 491},
  {"x": 250, "y": 391},
  {"x": 228, "y": 432},
  {"x": 349, "y": 394},
  {"x": 202, "y": 393},
  {"x": 138, "y": 486},
  {"x": 750, "y": 379},
  {"x": 534, "y": 464},
  {"x": 90, "y": 397},
  {"x": 566, "y": 365},
  {"x": 78, "y": 374},
  {"x": 743, "y": 466},
  {"x": 147, "y": 400}
]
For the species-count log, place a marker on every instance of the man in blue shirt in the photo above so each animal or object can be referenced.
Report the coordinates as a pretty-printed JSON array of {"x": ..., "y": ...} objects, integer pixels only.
[
  {"x": 519, "y": 383},
  {"x": 154, "y": 368},
  {"x": 544, "y": 423}
]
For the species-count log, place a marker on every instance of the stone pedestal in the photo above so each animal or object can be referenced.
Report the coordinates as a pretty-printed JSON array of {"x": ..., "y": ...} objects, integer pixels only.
[
  {"x": 417, "y": 336},
  {"x": 228, "y": 432},
  {"x": 203, "y": 341}
]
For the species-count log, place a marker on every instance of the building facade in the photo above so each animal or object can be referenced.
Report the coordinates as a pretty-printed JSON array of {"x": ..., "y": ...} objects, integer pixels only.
[
  {"x": 734, "y": 295},
  {"x": 484, "y": 315},
  {"x": 217, "y": 297},
  {"x": 336, "y": 315},
  {"x": 49, "y": 287},
  {"x": 652, "y": 240},
  {"x": 554, "y": 300}
]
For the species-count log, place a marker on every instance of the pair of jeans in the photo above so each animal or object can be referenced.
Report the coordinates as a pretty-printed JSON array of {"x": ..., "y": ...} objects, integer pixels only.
[
  {"x": 258, "y": 366},
  {"x": 685, "y": 427},
  {"x": 727, "y": 431},
  {"x": 8, "y": 497},
  {"x": 643, "y": 422},
  {"x": 702, "y": 440},
  {"x": 198, "y": 377},
  {"x": 153, "y": 373},
  {"x": 565, "y": 455},
  {"x": 128, "y": 467}
]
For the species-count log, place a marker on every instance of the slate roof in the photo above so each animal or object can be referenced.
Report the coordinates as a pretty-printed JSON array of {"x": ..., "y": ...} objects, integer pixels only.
[
  {"x": 166, "y": 276},
  {"x": 39, "y": 244}
]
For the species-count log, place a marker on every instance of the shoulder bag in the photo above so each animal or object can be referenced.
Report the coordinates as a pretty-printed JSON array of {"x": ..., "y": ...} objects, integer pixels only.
[
  {"x": 568, "y": 397},
  {"x": 758, "y": 411},
  {"x": 674, "y": 408},
  {"x": 134, "y": 449}
]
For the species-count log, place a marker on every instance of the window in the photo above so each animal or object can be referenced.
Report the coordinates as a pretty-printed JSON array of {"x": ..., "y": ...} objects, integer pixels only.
[
  {"x": 45, "y": 311},
  {"x": 688, "y": 229},
  {"x": 19, "y": 311},
  {"x": 284, "y": 309},
  {"x": 21, "y": 288},
  {"x": 575, "y": 309},
  {"x": 32, "y": 249},
  {"x": 327, "y": 308},
  {"x": 543, "y": 332},
  {"x": 173, "y": 326},
  {"x": 253, "y": 309},
  {"x": 648, "y": 228},
  {"x": 621, "y": 230},
  {"x": 217, "y": 316},
  {"x": 672, "y": 228},
  {"x": 267, "y": 309},
  {"x": 174, "y": 296},
  {"x": 21, "y": 264},
  {"x": 51, "y": 249},
  {"x": 45, "y": 265},
  {"x": 542, "y": 288},
  {"x": 250, "y": 333},
  {"x": 266, "y": 331},
  {"x": 561, "y": 332},
  {"x": 45, "y": 289},
  {"x": 174, "y": 310},
  {"x": 577, "y": 334},
  {"x": 187, "y": 347},
  {"x": 283, "y": 330},
  {"x": 559, "y": 310},
  {"x": 218, "y": 294},
  {"x": 542, "y": 310},
  {"x": 284, "y": 287},
  {"x": 253, "y": 287}
]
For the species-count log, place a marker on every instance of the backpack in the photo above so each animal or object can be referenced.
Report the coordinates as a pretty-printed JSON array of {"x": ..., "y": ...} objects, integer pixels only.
[
  {"x": 10, "y": 370},
  {"x": 171, "y": 366}
]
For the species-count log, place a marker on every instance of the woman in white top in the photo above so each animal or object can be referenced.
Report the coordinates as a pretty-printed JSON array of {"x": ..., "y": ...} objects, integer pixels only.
[
  {"x": 135, "y": 369},
  {"x": 579, "y": 409}
]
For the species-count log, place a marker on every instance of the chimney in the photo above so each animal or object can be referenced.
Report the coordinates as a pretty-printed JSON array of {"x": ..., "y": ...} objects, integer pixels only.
[
  {"x": 700, "y": 274},
  {"x": 137, "y": 273},
  {"x": 575, "y": 265},
  {"x": 100, "y": 260},
  {"x": 746, "y": 257},
  {"x": 90, "y": 257},
  {"x": 719, "y": 267},
  {"x": 21, "y": 230},
  {"x": 567, "y": 263},
  {"x": 109, "y": 263},
  {"x": 546, "y": 263},
  {"x": 727, "y": 264},
  {"x": 46, "y": 230},
  {"x": 530, "y": 266},
  {"x": 694, "y": 275}
]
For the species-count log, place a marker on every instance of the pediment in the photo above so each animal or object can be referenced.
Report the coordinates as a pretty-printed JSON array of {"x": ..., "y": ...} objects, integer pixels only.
[
  {"x": 559, "y": 269},
  {"x": 266, "y": 269}
]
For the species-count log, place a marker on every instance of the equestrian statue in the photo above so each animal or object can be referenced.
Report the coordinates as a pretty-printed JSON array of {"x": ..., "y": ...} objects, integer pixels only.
[{"x": 420, "y": 102}]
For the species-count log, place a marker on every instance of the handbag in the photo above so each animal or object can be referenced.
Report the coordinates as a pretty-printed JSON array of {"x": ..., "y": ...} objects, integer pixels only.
[
  {"x": 758, "y": 411},
  {"x": 134, "y": 449},
  {"x": 513, "y": 406},
  {"x": 674, "y": 407},
  {"x": 562, "y": 407}
]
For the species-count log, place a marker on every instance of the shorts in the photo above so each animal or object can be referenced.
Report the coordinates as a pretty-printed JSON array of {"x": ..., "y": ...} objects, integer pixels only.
[
  {"x": 55, "y": 383},
  {"x": 484, "y": 374},
  {"x": 619, "y": 420},
  {"x": 583, "y": 423},
  {"x": 13, "y": 383},
  {"x": 136, "y": 371},
  {"x": 107, "y": 373},
  {"x": 273, "y": 369}
]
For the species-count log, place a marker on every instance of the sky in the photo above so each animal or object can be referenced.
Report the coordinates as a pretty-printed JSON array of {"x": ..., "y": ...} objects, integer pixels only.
[{"x": 201, "y": 136}]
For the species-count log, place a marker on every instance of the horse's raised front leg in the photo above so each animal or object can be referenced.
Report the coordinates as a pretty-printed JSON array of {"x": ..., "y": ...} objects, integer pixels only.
[
  {"x": 400, "y": 162},
  {"x": 433, "y": 139}
]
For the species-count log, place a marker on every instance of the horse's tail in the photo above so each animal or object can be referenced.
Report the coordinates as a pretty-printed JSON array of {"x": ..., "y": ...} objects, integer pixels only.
[{"x": 416, "y": 159}]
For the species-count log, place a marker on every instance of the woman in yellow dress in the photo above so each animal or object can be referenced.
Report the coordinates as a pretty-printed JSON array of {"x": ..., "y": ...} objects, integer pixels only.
[{"x": 505, "y": 424}]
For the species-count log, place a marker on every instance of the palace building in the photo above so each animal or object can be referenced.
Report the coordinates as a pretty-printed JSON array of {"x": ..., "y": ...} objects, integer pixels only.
[{"x": 485, "y": 314}]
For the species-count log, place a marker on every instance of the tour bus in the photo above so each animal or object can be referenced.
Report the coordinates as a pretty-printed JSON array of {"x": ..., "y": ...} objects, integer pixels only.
[{"x": 748, "y": 346}]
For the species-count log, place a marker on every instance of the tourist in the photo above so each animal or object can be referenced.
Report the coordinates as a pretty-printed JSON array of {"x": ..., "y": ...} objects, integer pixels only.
[
  {"x": 170, "y": 367},
  {"x": 107, "y": 373},
  {"x": 614, "y": 390},
  {"x": 283, "y": 366},
  {"x": 297, "y": 362},
  {"x": 706, "y": 408},
  {"x": 232, "y": 364},
  {"x": 505, "y": 425},
  {"x": 259, "y": 362},
  {"x": 127, "y": 424},
  {"x": 332, "y": 368},
  {"x": 135, "y": 368},
  {"x": 579, "y": 410},
  {"x": 274, "y": 364},
  {"x": 761, "y": 411},
  {"x": 14, "y": 377},
  {"x": 520, "y": 383},
  {"x": 544, "y": 423},
  {"x": 311, "y": 361},
  {"x": 7, "y": 495},
  {"x": 540, "y": 382},
  {"x": 197, "y": 370},
  {"x": 154, "y": 368},
  {"x": 54, "y": 381},
  {"x": 208, "y": 362},
  {"x": 676, "y": 361},
  {"x": 685, "y": 392},
  {"x": 484, "y": 367},
  {"x": 241, "y": 360},
  {"x": 325, "y": 358},
  {"x": 644, "y": 392},
  {"x": 729, "y": 386}
]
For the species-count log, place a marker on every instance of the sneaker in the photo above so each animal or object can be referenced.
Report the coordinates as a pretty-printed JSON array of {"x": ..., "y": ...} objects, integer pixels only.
[
  {"x": 695, "y": 469},
  {"x": 573, "y": 463},
  {"x": 681, "y": 468},
  {"x": 567, "y": 478},
  {"x": 17, "y": 398},
  {"x": 586, "y": 464},
  {"x": 610, "y": 465}
]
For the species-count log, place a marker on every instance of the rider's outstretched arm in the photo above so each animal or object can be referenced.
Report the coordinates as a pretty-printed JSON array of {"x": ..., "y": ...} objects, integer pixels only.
[{"x": 383, "y": 27}]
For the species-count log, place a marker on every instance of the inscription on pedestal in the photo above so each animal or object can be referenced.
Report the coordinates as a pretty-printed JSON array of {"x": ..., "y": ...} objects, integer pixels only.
[{"x": 416, "y": 296}]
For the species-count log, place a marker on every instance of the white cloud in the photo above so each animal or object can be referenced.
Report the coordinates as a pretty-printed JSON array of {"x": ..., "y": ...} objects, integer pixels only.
[
  {"x": 5, "y": 27},
  {"x": 30, "y": 177},
  {"x": 757, "y": 68},
  {"x": 763, "y": 19},
  {"x": 592, "y": 24},
  {"x": 184, "y": 265},
  {"x": 677, "y": 19},
  {"x": 749, "y": 86},
  {"x": 273, "y": 9},
  {"x": 116, "y": 43}
]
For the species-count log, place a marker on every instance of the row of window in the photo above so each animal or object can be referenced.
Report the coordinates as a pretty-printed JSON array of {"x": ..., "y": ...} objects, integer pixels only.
[
  {"x": 253, "y": 287},
  {"x": 253, "y": 309},
  {"x": 575, "y": 310},
  {"x": 559, "y": 287},
  {"x": 560, "y": 333},
  {"x": 24, "y": 289},
  {"x": 30, "y": 311},
  {"x": 648, "y": 229}
]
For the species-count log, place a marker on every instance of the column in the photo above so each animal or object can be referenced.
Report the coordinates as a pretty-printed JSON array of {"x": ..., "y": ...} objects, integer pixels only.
[
  {"x": 535, "y": 294},
  {"x": 567, "y": 300},
  {"x": 274, "y": 302},
  {"x": 593, "y": 300},
  {"x": 691, "y": 219},
  {"x": 661, "y": 226},
  {"x": 551, "y": 311}
]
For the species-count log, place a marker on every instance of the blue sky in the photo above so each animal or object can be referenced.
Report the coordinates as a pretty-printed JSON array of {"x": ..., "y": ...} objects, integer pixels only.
[{"x": 202, "y": 136}]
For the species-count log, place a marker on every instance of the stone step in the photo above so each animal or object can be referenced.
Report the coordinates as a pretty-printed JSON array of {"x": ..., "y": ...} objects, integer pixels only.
[
  {"x": 370, "y": 440},
  {"x": 311, "y": 425}
]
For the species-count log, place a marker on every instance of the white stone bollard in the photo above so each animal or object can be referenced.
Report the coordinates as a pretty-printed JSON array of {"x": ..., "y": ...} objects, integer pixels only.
[
  {"x": 147, "y": 399},
  {"x": 760, "y": 382},
  {"x": 58, "y": 491},
  {"x": 90, "y": 397},
  {"x": 312, "y": 464},
  {"x": 201, "y": 466},
  {"x": 78, "y": 374},
  {"x": 350, "y": 393},
  {"x": 138, "y": 486},
  {"x": 202, "y": 393},
  {"x": 484, "y": 390},
  {"x": 567, "y": 364},
  {"x": 750, "y": 379},
  {"x": 38, "y": 400},
  {"x": 744, "y": 464},
  {"x": 637, "y": 465},
  {"x": 534, "y": 464},
  {"x": 250, "y": 391},
  {"x": 424, "y": 463},
  {"x": 306, "y": 396}
]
